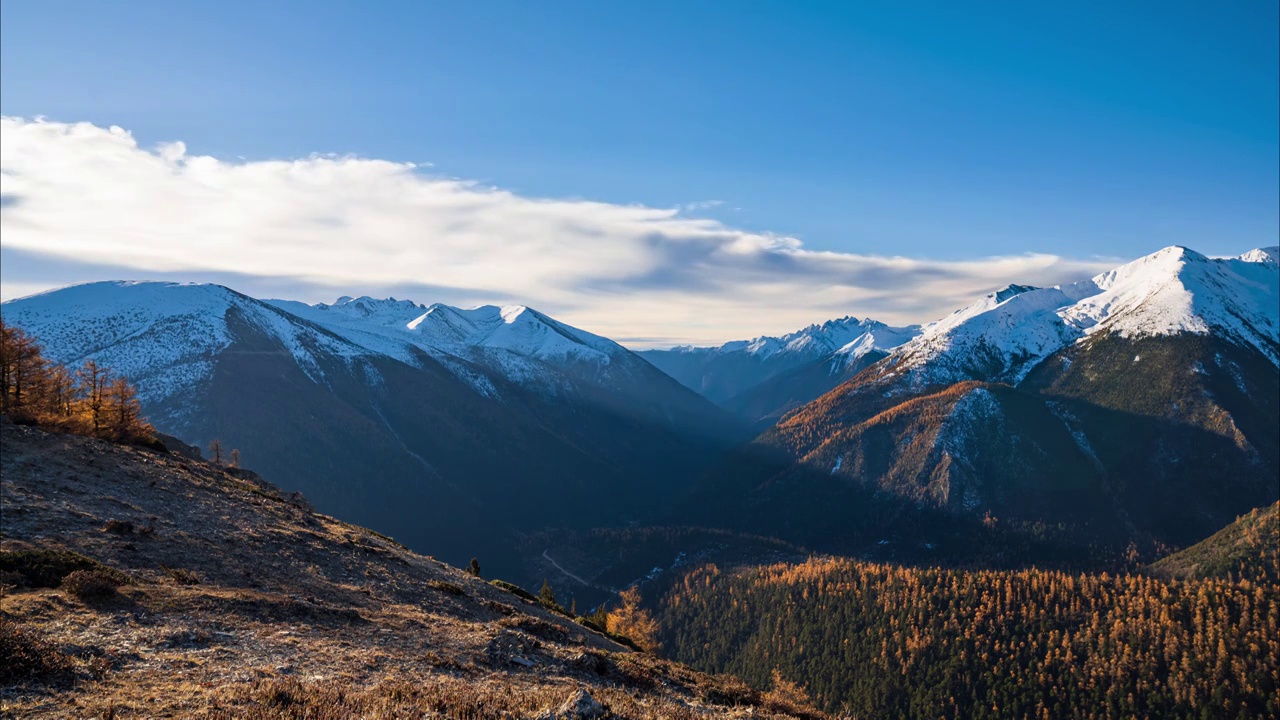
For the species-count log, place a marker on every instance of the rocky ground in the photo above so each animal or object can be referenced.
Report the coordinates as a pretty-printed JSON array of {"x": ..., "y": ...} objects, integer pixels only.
[{"x": 236, "y": 600}]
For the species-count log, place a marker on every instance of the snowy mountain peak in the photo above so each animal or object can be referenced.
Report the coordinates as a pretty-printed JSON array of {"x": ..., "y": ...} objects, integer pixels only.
[
  {"x": 512, "y": 313},
  {"x": 365, "y": 306},
  {"x": 1267, "y": 255},
  {"x": 132, "y": 326},
  {"x": 514, "y": 339},
  {"x": 163, "y": 332},
  {"x": 1175, "y": 289},
  {"x": 816, "y": 340},
  {"x": 1010, "y": 290}
]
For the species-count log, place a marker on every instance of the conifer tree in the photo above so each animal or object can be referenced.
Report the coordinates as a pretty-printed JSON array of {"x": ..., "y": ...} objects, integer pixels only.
[
  {"x": 548, "y": 596},
  {"x": 630, "y": 620}
]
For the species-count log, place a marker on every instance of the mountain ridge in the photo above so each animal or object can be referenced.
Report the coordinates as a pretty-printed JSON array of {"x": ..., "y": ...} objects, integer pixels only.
[
  {"x": 761, "y": 379},
  {"x": 369, "y": 421},
  {"x": 1116, "y": 398}
]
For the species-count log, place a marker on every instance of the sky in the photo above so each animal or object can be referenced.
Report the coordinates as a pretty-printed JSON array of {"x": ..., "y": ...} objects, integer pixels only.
[{"x": 656, "y": 172}]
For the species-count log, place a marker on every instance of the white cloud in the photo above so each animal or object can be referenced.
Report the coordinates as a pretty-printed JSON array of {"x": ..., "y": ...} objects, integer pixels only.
[{"x": 87, "y": 194}]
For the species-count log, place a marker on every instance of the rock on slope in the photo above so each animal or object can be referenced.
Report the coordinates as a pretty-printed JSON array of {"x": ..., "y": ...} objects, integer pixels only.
[{"x": 241, "y": 602}]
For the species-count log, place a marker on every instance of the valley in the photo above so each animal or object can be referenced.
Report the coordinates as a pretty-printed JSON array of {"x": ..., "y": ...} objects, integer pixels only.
[{"x": 938, "y": 520}]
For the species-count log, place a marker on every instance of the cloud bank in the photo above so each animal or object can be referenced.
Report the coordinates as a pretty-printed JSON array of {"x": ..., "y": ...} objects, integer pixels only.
[{"x": 77, "y": 195}]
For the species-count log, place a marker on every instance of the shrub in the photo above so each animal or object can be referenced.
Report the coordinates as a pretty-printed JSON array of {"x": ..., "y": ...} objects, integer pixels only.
[
  {"x": 588, "y": 622},
  {"x": 446, "y": 587},
  {"x": 47, "y": 568},
  {"x": 9, "y": 578},
  {"x": 28, "y": 656},
  {"x": 181, "y": 576},
  {"x": 90, "y": 585},
  {"x": 513, "y": 589},
  {"x": 786, "y": 696},
  {"x": 536, "y": 627}
]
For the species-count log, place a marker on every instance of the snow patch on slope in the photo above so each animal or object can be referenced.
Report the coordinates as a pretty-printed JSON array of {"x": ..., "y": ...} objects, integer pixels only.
[
  {"x": 958, "y": 433},
  {"x": 1072, "y": 424}
]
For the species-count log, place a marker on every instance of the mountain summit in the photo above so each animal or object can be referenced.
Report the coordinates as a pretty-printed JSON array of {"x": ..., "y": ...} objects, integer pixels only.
[{"x": 1003, "y": 335}]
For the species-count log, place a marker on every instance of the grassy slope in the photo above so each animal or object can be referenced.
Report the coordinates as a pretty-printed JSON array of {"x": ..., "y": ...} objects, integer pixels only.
[{"x": 290, "y": 614}]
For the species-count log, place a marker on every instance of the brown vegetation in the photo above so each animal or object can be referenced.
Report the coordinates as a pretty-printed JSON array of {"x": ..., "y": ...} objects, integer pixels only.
[
  {"x": 89, "y": 401},
  {"x": 884, "y": 641},
  {"x": 27, "y": 655},
  {"x": 632, "y": 622}
]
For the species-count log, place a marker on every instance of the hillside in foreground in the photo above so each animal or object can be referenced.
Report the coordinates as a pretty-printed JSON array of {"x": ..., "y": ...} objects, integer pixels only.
[
  {"x": 1247, "y": 548},
  {"x": 140, "y": 583}
]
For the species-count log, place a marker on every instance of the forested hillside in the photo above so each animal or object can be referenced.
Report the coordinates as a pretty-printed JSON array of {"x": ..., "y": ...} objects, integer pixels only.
[
  {"x": 877, "y": 641},
  {"x": 1247, "y": 548}
]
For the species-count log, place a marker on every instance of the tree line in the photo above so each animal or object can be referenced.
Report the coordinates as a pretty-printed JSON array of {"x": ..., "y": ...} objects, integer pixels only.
[
  {"x": 875, "y": 640},
  {"x": 90, "y": 400}
]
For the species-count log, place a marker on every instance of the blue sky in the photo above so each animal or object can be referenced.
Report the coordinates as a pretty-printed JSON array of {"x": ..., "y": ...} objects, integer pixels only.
[{"x": 939, "y": 131}]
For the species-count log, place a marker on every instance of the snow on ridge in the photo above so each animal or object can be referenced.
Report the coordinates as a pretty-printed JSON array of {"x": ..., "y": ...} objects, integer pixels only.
[
  {"x": 1000, "y": 335},
  {"x": 847, "y": 335},
  {"x": 162, "y": 335},
  {"x": 1179, "y": 290},
  {"x": 1006, "y": 333},
  {"x": 514, "y": 342},
  {"x": 166, "y": 335},
  {"x": 1262, "y": 255},
  {"x": 390, "y": 326}
]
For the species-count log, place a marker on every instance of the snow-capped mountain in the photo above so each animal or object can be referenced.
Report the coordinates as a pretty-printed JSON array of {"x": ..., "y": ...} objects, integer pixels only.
[
  {"x": 442, "y": 329},
  {"x": 165, "y": 336},
  {"x": 1002, "y": 336},
  {"x": 406, "y": 417},
  {"x": 1141, "y": 405},
  {"x": 762, "y": 378}
]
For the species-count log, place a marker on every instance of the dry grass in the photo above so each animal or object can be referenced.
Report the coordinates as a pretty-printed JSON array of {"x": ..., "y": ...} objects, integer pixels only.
[{"x": 295, "y": 614}]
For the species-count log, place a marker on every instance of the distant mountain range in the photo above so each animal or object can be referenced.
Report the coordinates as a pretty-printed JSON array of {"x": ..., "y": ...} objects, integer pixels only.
[
  {"x": 1139, "y": 406},
  {"x": 451, "y": 429},
  {"x": 761, "y": 379}
]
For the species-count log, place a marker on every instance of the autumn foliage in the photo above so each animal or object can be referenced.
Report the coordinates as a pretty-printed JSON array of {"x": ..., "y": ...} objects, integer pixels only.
[
  {"x": 91, "y": 400},
  {"x": 875, "y": 640},
  {"x": 631, "y": 621}
]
